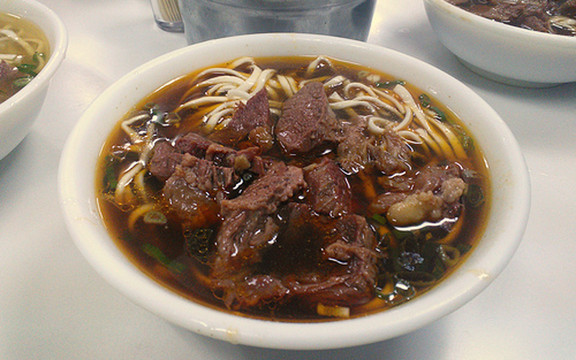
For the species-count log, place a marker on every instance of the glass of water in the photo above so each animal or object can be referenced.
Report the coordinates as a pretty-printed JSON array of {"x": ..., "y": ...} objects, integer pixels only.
[{"x": 210, "y": 19}]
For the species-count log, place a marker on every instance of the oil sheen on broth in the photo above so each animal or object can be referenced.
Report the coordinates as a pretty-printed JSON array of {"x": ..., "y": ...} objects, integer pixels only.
[
  {"x": 299, "y": 189},
  {"x": 24, "y": 50}
]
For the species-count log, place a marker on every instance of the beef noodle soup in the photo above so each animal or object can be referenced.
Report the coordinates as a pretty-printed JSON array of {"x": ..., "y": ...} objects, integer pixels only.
[
  {"x": 549, "y": 16},
  {"x": 24, "y": 50},
  {"x": 296, "y": 189}
]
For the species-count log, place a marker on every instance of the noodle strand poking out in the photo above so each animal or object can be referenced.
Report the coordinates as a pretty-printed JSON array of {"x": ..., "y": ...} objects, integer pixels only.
[{"x": 296, "y": 188}]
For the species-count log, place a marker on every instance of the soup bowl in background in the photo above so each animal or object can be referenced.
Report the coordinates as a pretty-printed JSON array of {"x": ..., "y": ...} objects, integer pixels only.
[
  {"x": 18, "y": 113},
  {"x": 504, "y": 228},
  {"x": 501, "y": 52}
]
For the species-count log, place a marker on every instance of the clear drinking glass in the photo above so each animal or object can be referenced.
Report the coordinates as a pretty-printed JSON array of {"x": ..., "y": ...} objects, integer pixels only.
[
  {"x": 167, "y": 15},
  {"x": 209, "y": 19}
]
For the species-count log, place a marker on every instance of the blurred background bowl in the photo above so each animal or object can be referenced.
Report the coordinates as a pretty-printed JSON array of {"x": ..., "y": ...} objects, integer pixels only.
[
  {"x": 501, "y": 52},
  {"x": 505, "y": 225},
  {"x": 18, "y": 113}
]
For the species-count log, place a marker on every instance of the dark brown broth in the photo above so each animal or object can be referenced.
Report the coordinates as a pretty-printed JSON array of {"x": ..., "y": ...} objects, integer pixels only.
[{"x": 174, "y": 268}]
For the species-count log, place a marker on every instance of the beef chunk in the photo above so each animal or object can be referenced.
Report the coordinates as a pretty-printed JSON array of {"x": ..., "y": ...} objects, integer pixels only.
[
  {"x": 328, "y": 191},
  {"x": 359, "y": 150},
  {"x": 192, "y": 205},
  {"x": 164, "y": 160},
  {"x": 206, "y": 176},
  {"x": 7, "y": 71},
  {"x": 431, "y": 177},
  {"x": 314, "y": 259},
  {"x": 307, "y": 121},
  {"x": 278, "y": 184},
  {"x": 568, "y": 8},
  {"x": 193, "y": 143},
  {"x": 195, "y": 187},
  {"x": 253, "y": 291},
  {"x": 166, "y": 157},
  {"x": 341, "y": 267},
  {"x": 246, "y": 118},
  {"x": 249, "y": 225},
  {"x": 240, "y": 241},
  {"x": 433, "y": 193}
]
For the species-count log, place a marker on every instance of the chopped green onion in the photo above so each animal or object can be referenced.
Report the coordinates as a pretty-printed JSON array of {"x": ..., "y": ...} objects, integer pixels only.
[
  {"x": 110, "y": 179},
  {"x": 159, "y": 256},
  {"x": 424, "y": 100},
  {"x": 440, "y": 115},
  {"x": 22, "y": 81},
  {"x": 36, "y": 57},
  {"x": 27, "y": 69},
  {"x": 466, "y": 141},
  {"x": 390, "y": 84},
  {"x": 380, "y": 219},
  {"x": 155, "y": 217},
  {"x": 427, "y": 103}
]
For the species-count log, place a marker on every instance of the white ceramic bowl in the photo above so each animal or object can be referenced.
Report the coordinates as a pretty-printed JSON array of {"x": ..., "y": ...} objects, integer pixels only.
[
  {"x": 501, "y": 52},
  {"x": 504, "y": 229},
  {"x": 18, "y": 113}
]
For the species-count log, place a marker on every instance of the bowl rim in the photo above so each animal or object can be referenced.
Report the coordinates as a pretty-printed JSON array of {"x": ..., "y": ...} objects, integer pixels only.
[
  {"x": 85, "y": 226},
  {"x": 26, "y": 9},
  {"x": 501, "y": 28}
]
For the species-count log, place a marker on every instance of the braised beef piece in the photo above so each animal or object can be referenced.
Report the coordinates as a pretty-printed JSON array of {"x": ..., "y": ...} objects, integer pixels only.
[
  {"x": 194, "y": 188},
  {"x": 206, "y": 176},
  {"x": 328, "y": 190},
  {"x": 199, "y": 173},
  {"x": 164, "y": 160},
  {"x": 7, "y": 71},
  {"x": 278, "y": 184},
  {"x": 193, "y": 143},
  {"x": 8, "y": 74},
  {"x": 242, "y": 237},
  {"x": 568, "y": 8},
  {"x": 314, "y": 259},
  {"x": 248, "y": 224},
  {"x": 307, "y": 121},
  {"x": 342, "y": 267},
  {"x": 254, "y": 115},
  {"x": 248, "y": 228},
  {"x": 431, "y": 177},
  {"x": 253, "y": 291},
  {"x": 166, "y": 157},
  {"x": 360, "y": 150},
  {"x": 438, "y": 180}
]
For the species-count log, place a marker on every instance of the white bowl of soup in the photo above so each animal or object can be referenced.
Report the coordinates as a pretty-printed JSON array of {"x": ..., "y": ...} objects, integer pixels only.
[
  {"x": 522, "y": 44},
  {"x": 33, "y": 43},
  {"x": 294, "y": 191}
]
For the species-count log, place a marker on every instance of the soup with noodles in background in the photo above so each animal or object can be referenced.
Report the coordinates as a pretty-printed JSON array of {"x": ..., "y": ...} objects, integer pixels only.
[
  {"x": 24, "y": 50},
  {"x": 293, "y": 189}
]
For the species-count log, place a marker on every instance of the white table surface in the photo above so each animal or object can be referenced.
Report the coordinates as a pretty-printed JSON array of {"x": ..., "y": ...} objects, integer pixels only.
[{"x": 54, "y": 306}]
